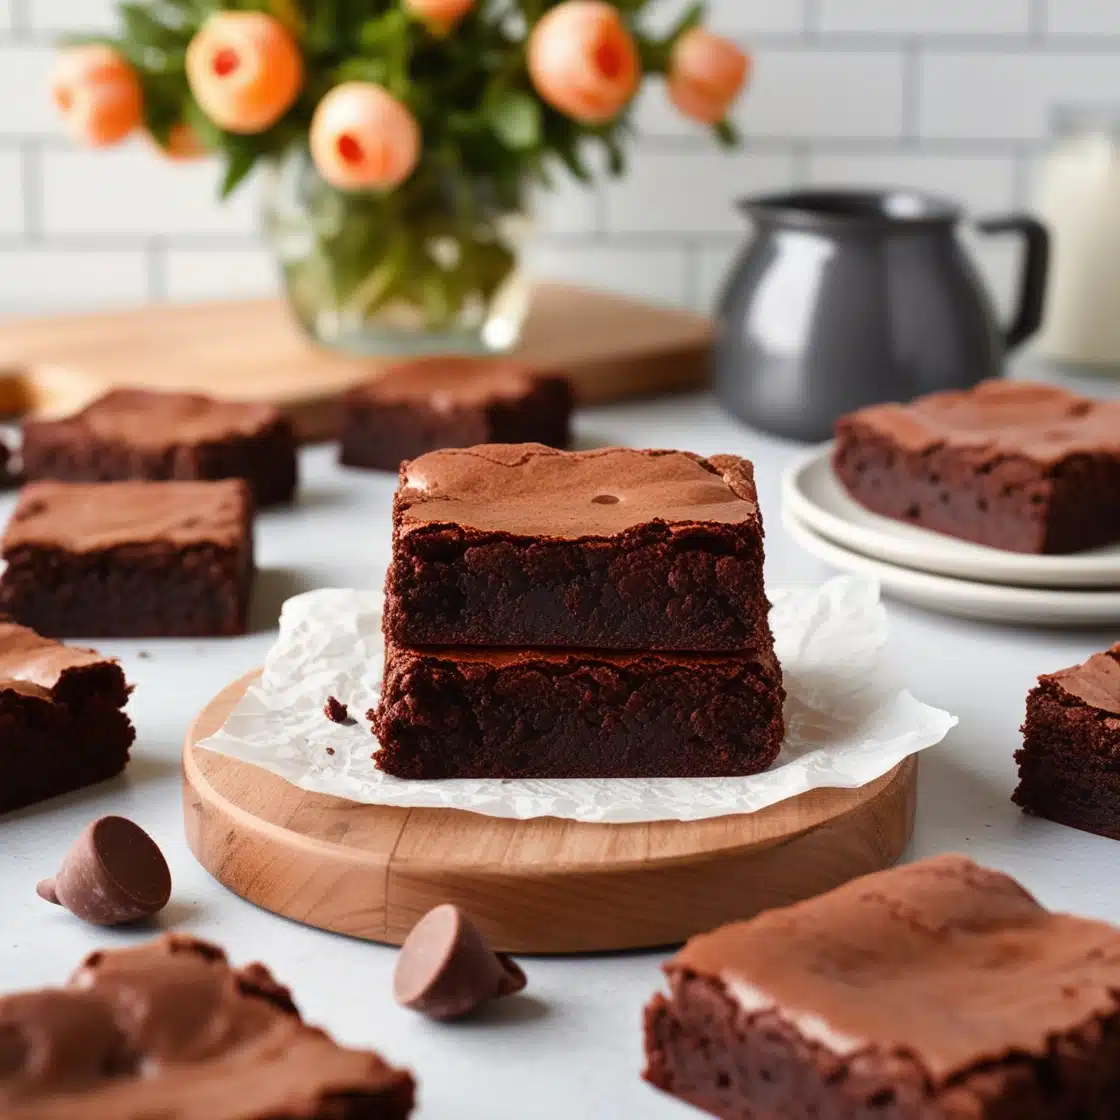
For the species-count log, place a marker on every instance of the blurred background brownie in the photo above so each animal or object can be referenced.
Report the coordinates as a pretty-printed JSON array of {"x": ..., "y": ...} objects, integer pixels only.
[
  {"x": 939, "y": 989},
  {"x": 140, "y": 434},
  {"x": 487, "y": 713},
  {"x": 170, "y": 1030},
  {"x": 130, "y": 559},
  {"x": 1028, "y": 468},
  {"x": 62, "y": 726},
  {"x": 431, "y": 403},
  {"x": 1069, "y": 764},
  {"x": 522, "y": 545}
]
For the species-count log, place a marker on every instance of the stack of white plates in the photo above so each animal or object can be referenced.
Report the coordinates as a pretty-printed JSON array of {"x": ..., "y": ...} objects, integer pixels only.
[{"x": 940, "y": 572}]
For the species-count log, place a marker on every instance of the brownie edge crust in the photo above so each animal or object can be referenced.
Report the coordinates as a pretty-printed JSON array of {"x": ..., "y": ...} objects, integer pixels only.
[
  {"x": 1011, "y": 465},
  {"x": 1069, "y": 763},
  {"x": 575, "y": 714},
  {"x": 936, "y": 991},
  {"x": 519, "y": 545}
]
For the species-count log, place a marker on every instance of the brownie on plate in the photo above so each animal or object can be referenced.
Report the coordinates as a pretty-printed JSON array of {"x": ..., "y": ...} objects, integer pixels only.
[
  {"x": 1022, "y": 467},
  {"x": 170, "y": 1030},
  {"x": 487, "y": 713},
  {"x": 138, "y": 433},
  {"x": 1069, "y": 763},
  {"x": 525, "y": 546},
  {"x": 61, "y": 720},
  {"x": 130, "y": 559},
  {"x": 934, "y": 991},
  {"x": 430, "y": 403}
]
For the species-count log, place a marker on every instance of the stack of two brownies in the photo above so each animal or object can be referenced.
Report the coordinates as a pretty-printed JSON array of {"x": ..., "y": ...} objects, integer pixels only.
[{"x": 557, "y": 614}]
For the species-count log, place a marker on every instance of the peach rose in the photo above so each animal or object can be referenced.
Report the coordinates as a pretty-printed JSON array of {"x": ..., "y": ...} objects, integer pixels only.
[
  {"x": 440, "y": 15},
  {"x": 245, "y": 70},
  {"x": 706, "y": 74},
  {"x": 584, "y": 61},
  {"x": 363, "y": 138},
  {"x": 98, "y": 94},
  {"x": 183, "y": 143}
]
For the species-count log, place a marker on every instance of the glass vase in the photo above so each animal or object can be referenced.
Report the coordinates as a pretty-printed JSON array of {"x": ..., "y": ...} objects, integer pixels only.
[{"x": 430, "y": 267}]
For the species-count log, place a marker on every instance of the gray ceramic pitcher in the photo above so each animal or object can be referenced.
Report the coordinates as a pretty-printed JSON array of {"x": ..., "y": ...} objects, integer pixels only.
[{"x": 850, "y": 298}]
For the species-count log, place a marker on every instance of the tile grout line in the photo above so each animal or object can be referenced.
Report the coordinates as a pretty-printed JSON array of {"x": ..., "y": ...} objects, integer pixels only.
[
  {"x": 1038, "y": 19},
  {"x": 21, "y": 19}
]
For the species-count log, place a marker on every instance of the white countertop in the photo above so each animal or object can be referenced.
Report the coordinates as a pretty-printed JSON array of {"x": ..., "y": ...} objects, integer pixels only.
[{"x": 572, "y": 1045}]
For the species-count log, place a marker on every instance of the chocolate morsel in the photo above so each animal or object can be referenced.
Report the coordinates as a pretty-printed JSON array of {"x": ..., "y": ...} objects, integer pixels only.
[
  {"x": 446, "y": 969},
  {"x": 114, "y": 873}
]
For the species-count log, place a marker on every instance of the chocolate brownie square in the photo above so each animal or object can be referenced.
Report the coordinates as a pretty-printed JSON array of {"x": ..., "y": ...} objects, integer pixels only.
[
  {"x": 130, "y": 559},
  {"x": 62, "y": 726},
  {"x": 936, "y": 991},
  {"x": 141, "y": 434},
  {"x": 1022, "y": 467},
  {"x": 525, "y": 546},
  {"x": 1069, "y": 764},
  {"x": 431, "y": 403},
  {"x": 171, "y": 1030},
  {"x": 478, "y": 713}
]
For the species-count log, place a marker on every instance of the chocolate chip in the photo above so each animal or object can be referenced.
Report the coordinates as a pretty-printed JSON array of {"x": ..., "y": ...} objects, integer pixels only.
[
  {"x": 114, "y": 873},
  {"x": 446, "y": 969},
  {"x": 336, "y": 711}
]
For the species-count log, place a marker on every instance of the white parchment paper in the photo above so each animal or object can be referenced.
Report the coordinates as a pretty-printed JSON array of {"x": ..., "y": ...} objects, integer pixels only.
[{"x": 845, "y": 725}]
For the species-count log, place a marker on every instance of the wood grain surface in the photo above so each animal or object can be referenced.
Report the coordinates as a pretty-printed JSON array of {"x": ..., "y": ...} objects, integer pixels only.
[
  {"x": 609, "y": 346},
  {"x": 536, "y": 886}
]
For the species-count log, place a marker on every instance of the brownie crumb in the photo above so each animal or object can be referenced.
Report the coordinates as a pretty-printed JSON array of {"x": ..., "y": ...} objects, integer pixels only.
[{"x": 336, "y": 711}]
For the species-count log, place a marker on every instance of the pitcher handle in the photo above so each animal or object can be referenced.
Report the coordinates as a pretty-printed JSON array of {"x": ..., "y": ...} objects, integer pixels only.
[{"x": 1036, "y": 268}]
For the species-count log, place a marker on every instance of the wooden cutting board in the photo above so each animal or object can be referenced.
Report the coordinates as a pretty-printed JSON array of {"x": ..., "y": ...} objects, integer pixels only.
[
  {"x": 610, "y": 346},
  {"x": 534, "y": 886}
]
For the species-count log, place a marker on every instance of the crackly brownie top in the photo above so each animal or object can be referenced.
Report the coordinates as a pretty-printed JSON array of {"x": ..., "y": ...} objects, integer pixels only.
[
  {"x": 1095, "y": 682},
  {"x": 170, "y": 1029},
  {"x": 1038, "y": 422},
  {"x": 447, "y": 383},
  {"x": 143, "y": 418},
  {"x": 951, "y": 963},
  {"x": 526, "y": 489},
  {"x": 28, "y": 658},
  {"x": 89, "y": 517}
]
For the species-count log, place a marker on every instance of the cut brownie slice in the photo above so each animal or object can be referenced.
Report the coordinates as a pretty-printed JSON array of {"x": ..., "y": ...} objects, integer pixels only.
[
  {"x": 525, "y": 546},
  {"x": 938, "y": 990},
  {"x": 1028, "y": 468},
  {"x": 61, "y": 723},
  {"x": 171, "y": 1030},
  {"x": 431, "y": 403},
  {"x": 130, "y": 559},
  {"x": 1069, "y": 764},
  {"x": 475, "y": 713},
  {"x": 137, "y": 433}
]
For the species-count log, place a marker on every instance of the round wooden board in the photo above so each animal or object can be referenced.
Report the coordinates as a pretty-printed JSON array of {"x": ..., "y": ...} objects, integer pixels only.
[{"x": 536, "y": 886}]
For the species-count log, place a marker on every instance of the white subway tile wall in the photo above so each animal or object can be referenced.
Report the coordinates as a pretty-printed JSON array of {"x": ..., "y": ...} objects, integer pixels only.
[{"x": 954, "y": 96}]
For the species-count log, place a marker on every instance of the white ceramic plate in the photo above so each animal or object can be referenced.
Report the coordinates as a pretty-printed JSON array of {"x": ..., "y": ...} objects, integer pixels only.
[
  {"x": 813, "y": 494},
  {"x": 966, "y": 598}
]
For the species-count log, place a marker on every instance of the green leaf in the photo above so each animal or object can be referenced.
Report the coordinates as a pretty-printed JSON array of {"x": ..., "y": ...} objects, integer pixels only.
[
  {"x": 363, "y": 70},
  {"x": 142, "y": 28},
  {"x": 690, "y": 19},
  {"x": 515, "y": 117},
  {"x": 289, "y": 14},
  {"x": 727, "y": 134},
  {"x": 240, "y": 159}
]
